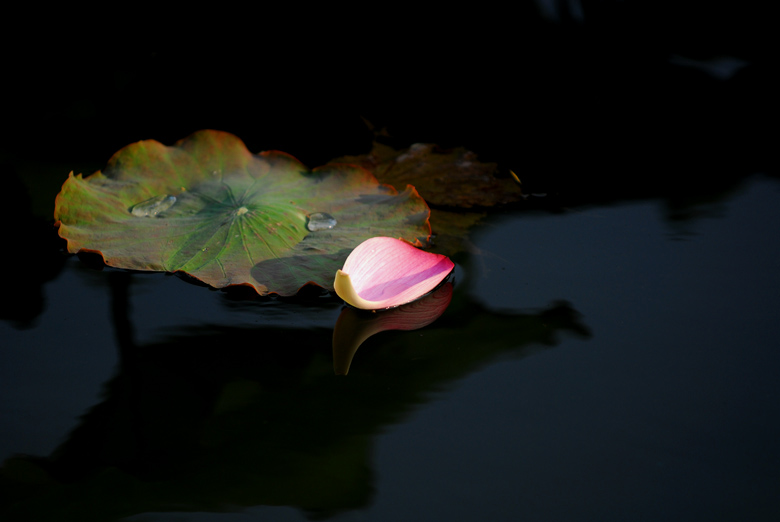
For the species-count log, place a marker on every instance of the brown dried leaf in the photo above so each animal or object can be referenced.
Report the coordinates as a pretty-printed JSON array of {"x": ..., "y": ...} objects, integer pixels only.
[{"x": 450, "y": 178}]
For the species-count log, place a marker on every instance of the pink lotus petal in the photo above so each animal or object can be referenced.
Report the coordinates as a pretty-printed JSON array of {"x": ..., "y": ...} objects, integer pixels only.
[{"x": 383, "y": 272}]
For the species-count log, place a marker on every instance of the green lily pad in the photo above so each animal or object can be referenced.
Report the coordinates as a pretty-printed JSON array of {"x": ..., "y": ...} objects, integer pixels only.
[{"x": 208, "y": 207}]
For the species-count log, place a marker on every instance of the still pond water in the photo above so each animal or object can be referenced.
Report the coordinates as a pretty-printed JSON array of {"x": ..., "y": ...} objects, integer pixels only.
[{"x": 604, "y": 363}]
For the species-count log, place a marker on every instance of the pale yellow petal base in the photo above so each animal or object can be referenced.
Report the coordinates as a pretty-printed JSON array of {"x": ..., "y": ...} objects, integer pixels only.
[{"x": 345, "y": 290}]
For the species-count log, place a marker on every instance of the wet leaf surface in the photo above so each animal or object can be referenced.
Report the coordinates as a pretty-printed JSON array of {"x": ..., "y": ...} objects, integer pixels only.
[{"x": 208, "y": 207}]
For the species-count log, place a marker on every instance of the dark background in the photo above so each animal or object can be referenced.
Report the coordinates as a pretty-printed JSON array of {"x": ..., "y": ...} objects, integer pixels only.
[{"x": 589, "y": 99}]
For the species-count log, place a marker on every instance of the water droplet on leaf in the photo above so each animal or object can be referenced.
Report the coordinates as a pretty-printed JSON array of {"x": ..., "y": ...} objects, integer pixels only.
[
  {"x": 153, "y": 206},
  {"x": 320, "y": 221}
]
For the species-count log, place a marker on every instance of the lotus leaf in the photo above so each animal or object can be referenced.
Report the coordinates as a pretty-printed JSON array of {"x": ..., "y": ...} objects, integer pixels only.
[
  {"x": 208, "y": 207},
  {"x": 448, "y": 178}
]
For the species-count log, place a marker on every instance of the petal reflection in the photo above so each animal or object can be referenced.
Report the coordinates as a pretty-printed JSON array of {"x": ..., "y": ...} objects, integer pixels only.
[{"x": 354, "y": 326}]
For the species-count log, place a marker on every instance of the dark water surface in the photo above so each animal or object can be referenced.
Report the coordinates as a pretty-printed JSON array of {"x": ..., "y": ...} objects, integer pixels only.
[{"x": 603, "y": 363}]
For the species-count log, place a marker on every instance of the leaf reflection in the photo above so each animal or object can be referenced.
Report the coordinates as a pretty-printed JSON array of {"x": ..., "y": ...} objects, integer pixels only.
[{"x": 221, "y": 417}]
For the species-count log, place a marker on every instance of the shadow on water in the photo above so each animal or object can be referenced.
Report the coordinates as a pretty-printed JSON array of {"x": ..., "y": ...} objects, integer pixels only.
[
  {"x": 33, "y": 239},
  {"x": 214, "y": 418}
]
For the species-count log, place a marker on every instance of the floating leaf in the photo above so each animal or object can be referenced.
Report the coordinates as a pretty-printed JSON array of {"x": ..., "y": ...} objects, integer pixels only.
[
  {"x": 452, "y": 178},
  {"x": 208, "y": 207},
  {"x": 383, "y": 272}
]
